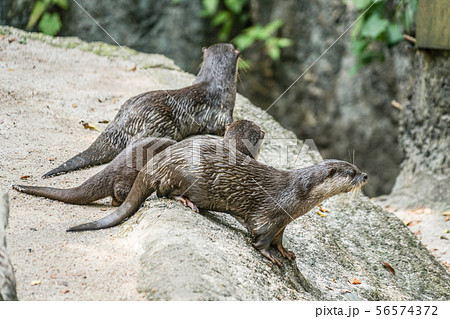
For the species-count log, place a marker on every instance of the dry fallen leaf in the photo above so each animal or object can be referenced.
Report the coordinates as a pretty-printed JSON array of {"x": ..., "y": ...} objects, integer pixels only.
[
  {"x": 412, "y": 222},
  {"x": 74, "y": 106},
  {"x": 446, "y": 213},
  {"x": 389, "y": 267},
  {"x": 133, "y": 69},
  {"x": 420, "y": 211},
  {"x": 25, "y": 176},
  {"x": 356, "y": 282},
  {"x": 35, "y": 282},
  {"x": 114, "y": 100},
  {"x": 90, "y": 126},
  {"x": 321, "y": 214},
  {"x": 104, "y": 122}
]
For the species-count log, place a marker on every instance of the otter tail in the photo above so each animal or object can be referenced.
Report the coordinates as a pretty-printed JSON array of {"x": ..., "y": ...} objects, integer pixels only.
[
  {"x": 100, "y": 152},
  {"x": 93, "y": 189},
  {"x": 139, "y": 192}
]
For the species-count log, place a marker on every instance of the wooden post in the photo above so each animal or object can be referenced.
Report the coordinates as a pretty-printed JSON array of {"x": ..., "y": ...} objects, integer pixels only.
[{"x": 433, "y": 24}]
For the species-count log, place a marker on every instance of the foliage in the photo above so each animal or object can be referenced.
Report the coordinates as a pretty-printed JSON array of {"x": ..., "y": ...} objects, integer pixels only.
[
  {"x": 46, "y": 13},
  {"x": 380, "y": 25},
  {"x": 232, "y": 19}
]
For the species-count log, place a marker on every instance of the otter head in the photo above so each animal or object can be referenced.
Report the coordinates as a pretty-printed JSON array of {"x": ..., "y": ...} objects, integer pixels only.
[
  {"x": 245, "y": 136},
  {"x": 335, "y": 177},
  {"x": 219, "y": 65},
  {"x": 344, "y": 176}
]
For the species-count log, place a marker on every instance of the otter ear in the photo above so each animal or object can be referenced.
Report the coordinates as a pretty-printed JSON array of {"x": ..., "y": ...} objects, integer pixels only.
[
  {"x": 331, "y": 172},
  {"x": 204, "y": 49},
  {"x": 227, "y": 126},
  {"x": 263, "y": 134},
  {"x": 237, "y": 52}
]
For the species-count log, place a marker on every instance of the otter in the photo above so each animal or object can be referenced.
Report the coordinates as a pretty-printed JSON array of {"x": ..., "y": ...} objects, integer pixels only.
[
  {"x": 205, "y": 107},
  {"x": 264, "y": 199},
  {"x": 118, "y": 177}
]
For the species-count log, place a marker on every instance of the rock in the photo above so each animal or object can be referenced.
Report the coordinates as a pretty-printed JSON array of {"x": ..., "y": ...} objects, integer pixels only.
[
  {"x": 163, "y": 26},
  {"x": 424, "y": 179},
  {"x": 341, "y": 112},
  {"x": 7, "y": 278},
  {"x": 189, "y": 256}
]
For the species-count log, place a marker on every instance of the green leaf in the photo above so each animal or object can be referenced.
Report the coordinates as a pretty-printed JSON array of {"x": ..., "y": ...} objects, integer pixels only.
[
  {"x": 243, "y": 41},
  {"x": 358, "y": 46},
  {"x": 235, "y": 6},
  {"x": 61, "y": 3},
  {"x": 209, "y": 8},
  {"x": 284, "y": 42},
  {"x": 274, "y": 53},
  {"x": 357, "y": 28},
  {"x": 362, "y": 4},
  {"x": 221, "y": 18},
  {"x": 50, "y": 23},
  {"x": 38, "y": 9},
  {"x": 374, "y": 26},
  {"x": 273, "y": 26},
  {"x": 394, "y": 34},
  {"x": 224, "y": 33}
]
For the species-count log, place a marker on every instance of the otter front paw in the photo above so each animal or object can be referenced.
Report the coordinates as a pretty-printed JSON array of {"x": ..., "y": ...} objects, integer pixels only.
[
  {"x": 271, "y": 256},
  {"x": 286, "y": 253}
]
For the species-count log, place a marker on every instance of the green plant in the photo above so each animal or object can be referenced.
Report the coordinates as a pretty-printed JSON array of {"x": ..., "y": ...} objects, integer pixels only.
[
  {"x": 48, "y": 15},
  {"x": 380, "y": 24},
  {"x": 232, "y": 19}
]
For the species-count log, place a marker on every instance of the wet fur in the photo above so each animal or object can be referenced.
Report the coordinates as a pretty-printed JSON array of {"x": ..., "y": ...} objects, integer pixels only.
[
  {"x": 118, "y": 177},
  {"x": 202, "y": 108},
  {"x": 263, "y": 198}
]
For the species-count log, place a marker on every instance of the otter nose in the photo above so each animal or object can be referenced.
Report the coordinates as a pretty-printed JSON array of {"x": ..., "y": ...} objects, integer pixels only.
[{"x": 364, "y": 177}]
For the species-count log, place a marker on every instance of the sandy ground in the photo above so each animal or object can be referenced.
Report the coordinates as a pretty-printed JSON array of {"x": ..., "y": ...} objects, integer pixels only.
[
  {"x": 44, "y": 94},
  {"x": 431, "y": 227}
]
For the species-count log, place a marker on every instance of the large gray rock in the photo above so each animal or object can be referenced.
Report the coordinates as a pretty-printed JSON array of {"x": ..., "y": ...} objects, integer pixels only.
[
  {"x": 7, "y": 278},
  {"x": 184, "y": 255},
  {"x": 192, "y": 257},
  {"x": 424, "y": 180}
]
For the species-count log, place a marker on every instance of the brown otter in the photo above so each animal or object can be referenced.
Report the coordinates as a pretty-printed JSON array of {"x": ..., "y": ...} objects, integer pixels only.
[
  {"x": 263, "y": 198},
  {"x": 118, "y": 177},
  {"x": 205, "y": 107}
]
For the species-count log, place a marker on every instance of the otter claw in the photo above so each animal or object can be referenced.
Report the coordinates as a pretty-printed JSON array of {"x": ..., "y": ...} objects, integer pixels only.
[
  {"x": 186, "y": 202},
  {"x": 269, "y": 255},
  {"x": 289, "y": 255}
]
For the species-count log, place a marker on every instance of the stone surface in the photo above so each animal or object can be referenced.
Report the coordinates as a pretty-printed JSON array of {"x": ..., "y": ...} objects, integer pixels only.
[
  {"x": 341, "y": 112},
  {"x": 424, "y": 180},
  {"x": 7, "y": 278},
  {"x": 166, "y": 251}
]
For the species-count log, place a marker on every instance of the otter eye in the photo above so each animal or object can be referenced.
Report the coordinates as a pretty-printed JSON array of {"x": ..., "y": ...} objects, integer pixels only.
[
  {"x": 351, "y": 172},
  {"x": 331, "y": 172}
]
